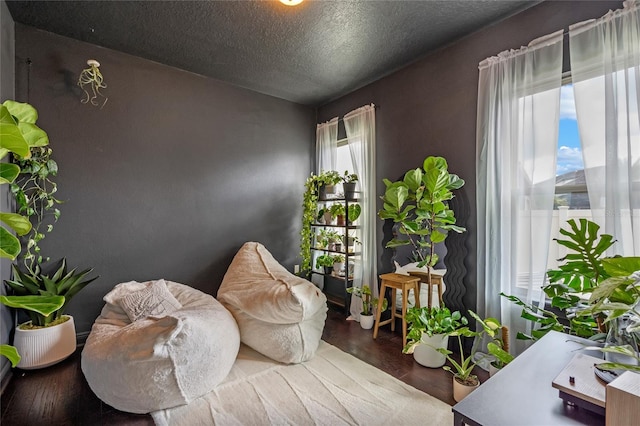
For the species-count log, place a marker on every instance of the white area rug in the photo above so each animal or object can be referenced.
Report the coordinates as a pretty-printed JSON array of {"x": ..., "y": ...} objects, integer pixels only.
[{"x": 333, "y": 388}]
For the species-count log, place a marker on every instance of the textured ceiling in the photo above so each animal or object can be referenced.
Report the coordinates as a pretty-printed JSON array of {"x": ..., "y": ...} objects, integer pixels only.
[{"x": 309, "y": 54}]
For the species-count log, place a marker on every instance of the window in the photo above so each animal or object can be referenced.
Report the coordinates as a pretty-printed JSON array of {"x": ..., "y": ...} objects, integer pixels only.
[{"x": 343, "y": 158}]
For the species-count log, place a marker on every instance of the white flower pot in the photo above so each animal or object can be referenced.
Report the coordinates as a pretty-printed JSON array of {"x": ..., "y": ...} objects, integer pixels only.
[
  {"x": 460, "y": 390},
  {"x": 337, "y": 267},
  {"x": 43, "y": 347},
  {"x": 493, "y": 370},
  {"x": 366, "y": 321},
  {"x": 426, "y": 354}
]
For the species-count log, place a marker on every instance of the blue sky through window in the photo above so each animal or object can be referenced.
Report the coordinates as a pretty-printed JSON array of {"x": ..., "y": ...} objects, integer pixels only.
[{"x": 569, "y": 149}]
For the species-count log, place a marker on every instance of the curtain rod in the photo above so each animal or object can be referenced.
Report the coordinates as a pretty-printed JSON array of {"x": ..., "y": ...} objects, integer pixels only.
[{"x": 342, "y": 119}]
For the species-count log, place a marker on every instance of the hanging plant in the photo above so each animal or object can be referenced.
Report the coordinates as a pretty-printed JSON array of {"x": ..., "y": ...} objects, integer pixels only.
[{"x": 34, "y": 193}]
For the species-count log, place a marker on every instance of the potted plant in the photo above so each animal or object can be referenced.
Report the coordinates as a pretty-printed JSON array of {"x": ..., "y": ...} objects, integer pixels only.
[
  {"x": 464, "y": 381},
  {"x": 498, "y": 347},
  {"x": 327, "y": 182},
  {"x": 349, "y": 185},
  {"x": 320, "y": 216},
  {"x": 33, "y": 191},
  {"x": 37, "y": 288},
  {"x": 591, "y": 290},
  {"x": 429, "y": 329},
  {"x": 368, "y": 304},
  {"x": 418, "y": 204},
  {"x": 325, "y": 261},
  {"x": 338, "y": 211},
  {"x": 335, "y": 240},
  {"x": 338, "y": 263}
]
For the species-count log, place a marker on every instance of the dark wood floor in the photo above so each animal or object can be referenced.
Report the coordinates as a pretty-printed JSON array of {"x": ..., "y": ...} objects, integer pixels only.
[{"x": 59, "y": 395}]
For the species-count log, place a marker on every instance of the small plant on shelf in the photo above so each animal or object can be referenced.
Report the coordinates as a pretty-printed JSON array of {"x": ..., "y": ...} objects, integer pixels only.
[
  {"x": 349, "y": 177},
  {"x": 325, "y": 261},
  {"x": 337, "y": 209}
]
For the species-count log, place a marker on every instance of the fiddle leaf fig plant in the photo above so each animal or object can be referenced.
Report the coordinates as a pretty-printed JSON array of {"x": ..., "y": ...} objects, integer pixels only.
[{"x": 419, "y": 205}]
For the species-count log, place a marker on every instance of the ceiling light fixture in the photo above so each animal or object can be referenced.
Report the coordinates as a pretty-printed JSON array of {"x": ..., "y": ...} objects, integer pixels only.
[{"x": 291, "y": 2}]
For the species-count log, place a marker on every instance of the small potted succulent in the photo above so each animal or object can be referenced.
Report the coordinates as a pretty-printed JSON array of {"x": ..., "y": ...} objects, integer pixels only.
[{"x": 368, "y": 304}]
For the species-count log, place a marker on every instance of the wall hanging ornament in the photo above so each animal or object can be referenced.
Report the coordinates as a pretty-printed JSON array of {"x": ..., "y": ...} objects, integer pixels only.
[{"x": 91, "y": 81}]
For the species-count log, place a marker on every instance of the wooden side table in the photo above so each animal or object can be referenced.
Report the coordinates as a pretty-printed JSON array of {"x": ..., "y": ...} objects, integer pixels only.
[
  {"x": 397, "y": 282},
  {"x": 436, "y": 280}
]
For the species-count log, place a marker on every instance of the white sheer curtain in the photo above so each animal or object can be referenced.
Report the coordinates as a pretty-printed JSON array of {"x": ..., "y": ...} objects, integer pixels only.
[
  {"x": 360, "y": 125},
  {"x": 517, "y": 133},
  {"x": 327, "y": 145},
  {"x": 605, "y": 69}
]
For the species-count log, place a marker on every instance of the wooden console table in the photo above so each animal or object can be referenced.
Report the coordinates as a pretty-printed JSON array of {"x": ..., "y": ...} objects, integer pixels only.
[{"x": 522, "y": 394}]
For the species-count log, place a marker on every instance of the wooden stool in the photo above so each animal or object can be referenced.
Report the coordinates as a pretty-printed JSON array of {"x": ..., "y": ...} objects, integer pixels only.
[
  {"x": 397, "y": 282},
  {"x": 436, "y": 279}
]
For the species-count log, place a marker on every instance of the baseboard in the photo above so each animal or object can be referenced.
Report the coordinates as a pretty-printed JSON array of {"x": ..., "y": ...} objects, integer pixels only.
[{"x": 81, "y": 338}]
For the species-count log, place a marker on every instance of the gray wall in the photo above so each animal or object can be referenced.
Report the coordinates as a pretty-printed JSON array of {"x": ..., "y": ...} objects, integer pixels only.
[
  {"x": 429, "y": 108},
  {"x": 171, "y": 176},
  {"x": 7, "y": 84}
]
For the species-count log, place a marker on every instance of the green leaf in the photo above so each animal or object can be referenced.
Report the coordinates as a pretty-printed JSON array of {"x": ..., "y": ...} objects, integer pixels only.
[
  {"x": 43, "y": 305},
  {"x": 9, "y": 244},
  {"x": 11, "y": 139},
  {"x": 11, "y": 353},
  {"x": 18, "y": 223},
  {"x": 621, "y": 266},
  {"x": 8, "y": 172},
  {"x": 33, "y": 135},
  {"x": 24, "y": 112},
  {"x": 413, "y": 179}
]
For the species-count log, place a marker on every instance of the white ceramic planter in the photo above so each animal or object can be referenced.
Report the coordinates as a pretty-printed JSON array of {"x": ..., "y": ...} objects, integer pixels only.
[
  {"x": 337, "y": 267},
  {"x": 43, "y": 347},
  {"x": 366, "y": 321},
  {"x": 492, "y": 370},
  {"x": 425, "y": 354},
  {"x": 460, "y": 391}
]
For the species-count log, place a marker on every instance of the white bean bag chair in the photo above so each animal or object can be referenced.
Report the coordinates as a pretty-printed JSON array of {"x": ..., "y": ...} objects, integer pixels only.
[
  {"x": 279, "y": 314},
  {"x": 158, "y": 345}
]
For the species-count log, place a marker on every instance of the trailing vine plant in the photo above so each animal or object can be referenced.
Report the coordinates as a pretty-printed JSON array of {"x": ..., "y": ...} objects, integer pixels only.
[
  {"x": 309, "y": 207},
  {"x": 34, "y": 193}
]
